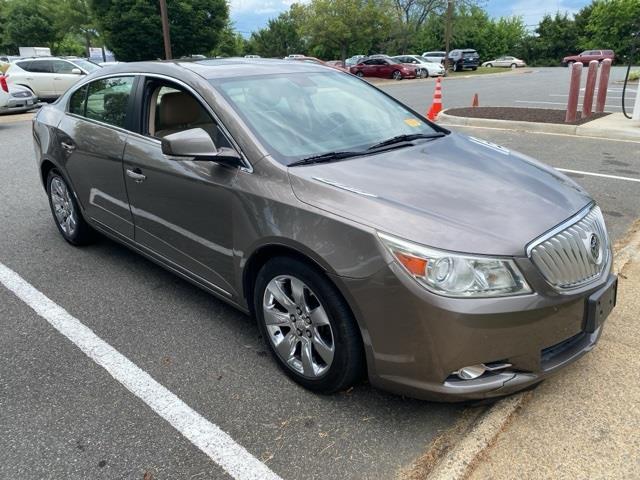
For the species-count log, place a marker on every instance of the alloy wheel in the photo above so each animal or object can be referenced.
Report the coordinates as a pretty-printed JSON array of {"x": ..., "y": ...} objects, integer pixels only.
[
  {"x": 63, "y": 208},
  {"x": 298, "y": 326}
]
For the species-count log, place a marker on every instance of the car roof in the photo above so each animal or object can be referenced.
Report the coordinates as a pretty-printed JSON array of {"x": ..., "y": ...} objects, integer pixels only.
[{"x": 219, "y": 68}]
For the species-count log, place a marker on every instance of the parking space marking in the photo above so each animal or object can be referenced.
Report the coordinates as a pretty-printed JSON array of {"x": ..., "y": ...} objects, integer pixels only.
[
  {"x": 558, "y": 103},
  {"x": 208, "y": 437},
  {"x": 604, "y": 175}
]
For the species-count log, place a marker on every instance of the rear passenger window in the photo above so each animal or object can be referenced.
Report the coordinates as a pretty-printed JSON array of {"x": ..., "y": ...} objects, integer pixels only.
[
  {"x": 40, "y": 66},
  {"x": 107, "y": 100},
  {"x": 78, "y": 101}
]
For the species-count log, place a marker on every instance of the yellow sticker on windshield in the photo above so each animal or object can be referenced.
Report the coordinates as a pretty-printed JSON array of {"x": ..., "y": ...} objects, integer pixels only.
[{"x": 412, "y": 122}]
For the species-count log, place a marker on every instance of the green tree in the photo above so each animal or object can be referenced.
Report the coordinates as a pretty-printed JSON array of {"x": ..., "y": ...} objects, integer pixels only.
[
  {"x": 611, "y": 24},
  {"x": 557, "y": 37},
  {"x": 28, "y": 23},
  {"x": 231, "y": 44},
  {"x": 338, "y": 28},
  {"x": 133, "y": 31},
  {"x": 281, "y": 36}
]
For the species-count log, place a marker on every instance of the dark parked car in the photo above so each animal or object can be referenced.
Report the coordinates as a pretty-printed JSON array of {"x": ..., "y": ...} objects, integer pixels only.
[
  {"x": 365, "y": 240},
  {"x": 588, "y": 55},
  {"x": 383, "y": 67},
  {"x": 464, "y": 58}
]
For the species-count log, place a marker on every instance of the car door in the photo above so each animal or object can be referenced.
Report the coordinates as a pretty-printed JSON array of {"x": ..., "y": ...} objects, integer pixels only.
[
  {"x": 38, "y": 76},
  {"x": 182, "y": 208},
  {"x": 64, "y": 77},
  {"x": 92, "y": 138}
]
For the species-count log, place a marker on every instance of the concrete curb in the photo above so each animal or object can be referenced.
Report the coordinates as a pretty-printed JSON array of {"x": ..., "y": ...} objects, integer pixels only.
[
  {"x": 459, "y": 461},
  {"x": 590, "y": 129}
]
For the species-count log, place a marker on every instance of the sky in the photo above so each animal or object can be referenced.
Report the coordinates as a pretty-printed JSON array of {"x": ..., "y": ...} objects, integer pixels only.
[{"x": 250, "y": 15}]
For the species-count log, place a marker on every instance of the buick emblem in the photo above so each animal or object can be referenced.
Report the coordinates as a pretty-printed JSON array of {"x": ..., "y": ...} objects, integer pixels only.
[{"x": 594, "y": 246}]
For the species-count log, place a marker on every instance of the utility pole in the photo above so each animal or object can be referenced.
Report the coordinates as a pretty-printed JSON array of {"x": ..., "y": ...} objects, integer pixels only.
[
  {"x": 165, "y": 30},
  {"x": 447, "y": 34}
]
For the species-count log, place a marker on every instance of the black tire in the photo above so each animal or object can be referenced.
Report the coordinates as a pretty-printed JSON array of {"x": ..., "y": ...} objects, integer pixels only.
[
  {"x": 424, "y": 73},
  {"x": 473, "y": 69},
  {"x": 489, "y": 65},
  {"x": 456, "y": 67},
  {"x": 359, "y": 74},
  {"x": 397, "y": 75},
  {"x": 348, "y": 364},
  {"x": 513, "y": 65},
  {"x": 82, "y": 234}
]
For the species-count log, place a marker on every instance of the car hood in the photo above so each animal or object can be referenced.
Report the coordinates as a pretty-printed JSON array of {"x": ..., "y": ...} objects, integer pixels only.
[{"x": 456, "y": 193}]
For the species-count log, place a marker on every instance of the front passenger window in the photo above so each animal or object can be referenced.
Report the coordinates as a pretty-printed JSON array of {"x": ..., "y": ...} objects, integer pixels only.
[{"x": 107, "y": 100}]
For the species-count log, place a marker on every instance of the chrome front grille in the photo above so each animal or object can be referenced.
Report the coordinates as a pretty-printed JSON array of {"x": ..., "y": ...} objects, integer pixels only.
[{"x": 574, "y": 254}]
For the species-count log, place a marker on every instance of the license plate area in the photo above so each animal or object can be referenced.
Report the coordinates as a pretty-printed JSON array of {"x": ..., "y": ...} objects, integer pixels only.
[{"x": 599, "y": 305}]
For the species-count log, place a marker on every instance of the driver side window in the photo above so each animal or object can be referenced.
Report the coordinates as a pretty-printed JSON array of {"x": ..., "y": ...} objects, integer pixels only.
[{"x": 171, "y": 109}]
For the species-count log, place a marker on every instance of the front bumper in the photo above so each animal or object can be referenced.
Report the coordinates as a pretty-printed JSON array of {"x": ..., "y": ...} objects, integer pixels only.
[{"x": 415, "y": 339}]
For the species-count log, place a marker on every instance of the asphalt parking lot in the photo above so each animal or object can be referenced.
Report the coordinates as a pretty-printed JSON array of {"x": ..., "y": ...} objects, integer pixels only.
[
  {"x": 531, "y": 87},
  {"x": 63, "y": 416}
]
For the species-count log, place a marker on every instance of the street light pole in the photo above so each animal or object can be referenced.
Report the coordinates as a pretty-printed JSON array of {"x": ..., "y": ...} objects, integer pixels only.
[
  {"x": 447, "y": 35},
  {"x": 165, "y": 30}
]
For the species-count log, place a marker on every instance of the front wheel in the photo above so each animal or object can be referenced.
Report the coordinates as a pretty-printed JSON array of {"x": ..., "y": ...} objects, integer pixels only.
[
  {"x": 489, "y": 65},
  {"x": 308, "y": 326},
  {"x": 514, "y": 66},
  {"x": 359, "y": 74},
  {"x": 66, "y": 212},
  {"x": 397, "y": 75},
  {"x": 424, "y": 73}
]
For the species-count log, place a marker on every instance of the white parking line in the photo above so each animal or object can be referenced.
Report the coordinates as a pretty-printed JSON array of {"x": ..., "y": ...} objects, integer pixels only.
[
  {"x": 209, "y": 438},
  {"x": 604, "y": 175}
]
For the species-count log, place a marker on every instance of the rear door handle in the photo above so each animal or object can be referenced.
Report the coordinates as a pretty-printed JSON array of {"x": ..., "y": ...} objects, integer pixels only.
[
  {"x": 136, "y": 175},
  {"x": 68, "y": 146}
]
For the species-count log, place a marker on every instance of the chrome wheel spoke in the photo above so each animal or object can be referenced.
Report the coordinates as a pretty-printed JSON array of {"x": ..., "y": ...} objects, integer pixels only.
[
  {"x": 297, "y": 292},
  {"x": 287, "y": 347},
  {"x": 325, "y": 351},
  {"x": 306, "y": 357},
  {"x": 319, "y": 317},
  {"x": 275, "y": 289},
  {"x": 274, "y": 317}
]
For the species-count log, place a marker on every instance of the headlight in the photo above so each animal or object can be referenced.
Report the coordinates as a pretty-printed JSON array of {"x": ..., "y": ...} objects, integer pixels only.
[{"x": 457, "y": 275}]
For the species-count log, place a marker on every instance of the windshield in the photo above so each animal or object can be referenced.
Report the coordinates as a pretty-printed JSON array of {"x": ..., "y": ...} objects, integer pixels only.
[
  {"x": 307, "y": 114},
  {"x": 86, "y": 64}
]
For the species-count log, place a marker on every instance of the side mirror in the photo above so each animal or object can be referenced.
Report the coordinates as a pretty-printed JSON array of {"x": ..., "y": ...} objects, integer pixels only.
[
  {"x": 197, "y": 144},
  {"x": 76, "y": 71}
]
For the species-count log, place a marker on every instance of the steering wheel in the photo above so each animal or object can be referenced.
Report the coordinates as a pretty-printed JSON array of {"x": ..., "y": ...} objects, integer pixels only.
[{"x": 338, "y": 119}]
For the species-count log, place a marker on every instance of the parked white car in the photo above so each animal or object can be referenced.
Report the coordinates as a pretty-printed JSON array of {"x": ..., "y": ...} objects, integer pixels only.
[
  {"x": 49, "y": 77},
  {"x": 505, "y": 61},
  {"x": 435, "y": 57},
  {"x": 424, "y": 68},
  {"x": 15, "y": 99}
]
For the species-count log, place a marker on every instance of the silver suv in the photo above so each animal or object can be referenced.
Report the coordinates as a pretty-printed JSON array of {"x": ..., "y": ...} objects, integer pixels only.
[{"x": 49, "y": 77}]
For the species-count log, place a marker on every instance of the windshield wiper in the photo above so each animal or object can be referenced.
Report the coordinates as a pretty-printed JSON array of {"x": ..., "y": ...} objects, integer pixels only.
[
  {"x": 328, "y": 157},
  {"x": 406, "y": 138}
]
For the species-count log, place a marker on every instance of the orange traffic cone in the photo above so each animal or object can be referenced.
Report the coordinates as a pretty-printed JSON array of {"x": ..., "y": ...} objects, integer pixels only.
[
  {"x": 436, "y": 106},
  {"x": 475, "y": 102}
]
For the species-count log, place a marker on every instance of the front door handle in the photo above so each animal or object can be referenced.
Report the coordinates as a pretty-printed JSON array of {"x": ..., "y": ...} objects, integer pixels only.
[{"x": 136, "y": 175}]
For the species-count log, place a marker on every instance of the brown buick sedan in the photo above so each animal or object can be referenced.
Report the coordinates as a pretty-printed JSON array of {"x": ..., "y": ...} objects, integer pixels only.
[{"x": 364, "y": 239}]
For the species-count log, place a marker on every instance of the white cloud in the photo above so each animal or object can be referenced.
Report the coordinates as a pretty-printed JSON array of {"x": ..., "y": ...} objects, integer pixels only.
[{"x": 532, "y": 12}]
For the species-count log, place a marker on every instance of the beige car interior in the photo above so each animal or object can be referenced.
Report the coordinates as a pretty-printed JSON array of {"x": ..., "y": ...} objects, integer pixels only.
[{"x": 173, "y": 111}]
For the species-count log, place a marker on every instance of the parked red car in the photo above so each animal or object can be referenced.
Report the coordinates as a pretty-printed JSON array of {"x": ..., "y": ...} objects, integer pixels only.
[
  {"x": 588, "y": 55},
  {"x": 384, "y": 68}
]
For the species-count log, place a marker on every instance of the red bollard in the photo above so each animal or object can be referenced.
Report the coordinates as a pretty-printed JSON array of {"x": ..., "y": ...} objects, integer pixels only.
[
  {"x": 587, "y": 101},
  {"x": 574, "y": 91},
  {"x": 603, "y": 85}
]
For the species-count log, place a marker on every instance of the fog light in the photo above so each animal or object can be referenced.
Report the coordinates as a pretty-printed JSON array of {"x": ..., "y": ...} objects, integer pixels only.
[
  {"x": 469, "y": 373},
  {"x": 474, "y": 371}
]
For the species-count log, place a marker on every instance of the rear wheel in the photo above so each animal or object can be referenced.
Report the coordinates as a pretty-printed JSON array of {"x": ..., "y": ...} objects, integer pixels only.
[
  {"x": 424, "y": 73},
  {"x": 513, "y": 65},
  {"x": 308, "y": 326},
  {"x": 66, "y": 212},
  {"x": 489, "y": 65},
  {"x": 397, "y": 75}
]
